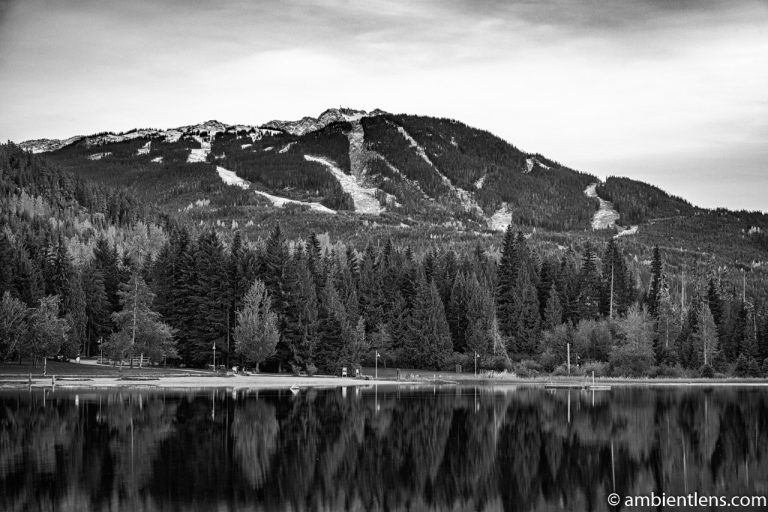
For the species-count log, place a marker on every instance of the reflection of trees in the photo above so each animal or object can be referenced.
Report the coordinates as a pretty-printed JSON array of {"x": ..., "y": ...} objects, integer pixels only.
[
  {"x": 254, "y": 430},
  {"x": 416, "y": 449}
]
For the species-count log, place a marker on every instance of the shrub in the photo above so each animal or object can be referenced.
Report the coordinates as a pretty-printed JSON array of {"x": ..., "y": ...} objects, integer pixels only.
[
  {"x": 311, "y": 369},
  {"x": 707, "y": 372},
  {"x": 497, "y": 363},
  {"x": 600, "y": 368}
]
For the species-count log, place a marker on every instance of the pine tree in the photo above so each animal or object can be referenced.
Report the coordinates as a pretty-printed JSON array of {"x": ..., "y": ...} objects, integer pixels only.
[
  {"x": 76, "y": 314},
  {"x": 256, "y": 334},
  {"x": 527, "y": 319},
  {"x": 705, "y": 335},
  {"x": 139, "y": 329},
  {"x": 589, "y": 286},
  {"x": 553, "y": 312},
  {"x": 330, "y": 331},
  {"x": 506, "y": 290},
  {"x": 427, "y": 341},
  {"x": 13, "y": 325},
  {"x": 656, "y": 282}
]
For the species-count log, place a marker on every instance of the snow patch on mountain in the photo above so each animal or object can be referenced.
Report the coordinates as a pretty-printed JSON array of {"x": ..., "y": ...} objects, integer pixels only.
[
  {"x": 144, "y": 150},
  {"x": 201, "y": 154},
  {"x": 245, "y": 146},
  {"x": 479, "y": 183},
  {"x": 632, "y": 230},
  {"x": 416, "y": 147},
  {"x": 231, "y": 178},
  {"x": 529, "y": 163},
  {"x": 99, "y": 156},
  {"x": 46, "y": 145},
  {"x": 197, "y": 204},
  {"x": 287, "y": 147},
  {"x": 467, "y": 200},
  {"x": 310, "y": 124},
  {"x": 268, "y": 148},
  {"x": 364, "y": 198},
  {"x": 606, "y": 216},
  {"x": 157, "y": 159},
  {"x": 501, "y": 218}
]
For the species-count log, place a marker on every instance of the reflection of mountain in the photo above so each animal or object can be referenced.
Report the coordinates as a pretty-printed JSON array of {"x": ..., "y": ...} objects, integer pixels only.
[{"x": 525, "y": 450}]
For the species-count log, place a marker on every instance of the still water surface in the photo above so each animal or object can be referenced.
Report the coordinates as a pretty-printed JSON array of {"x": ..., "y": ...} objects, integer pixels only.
[{"x": 521, "y": 449}]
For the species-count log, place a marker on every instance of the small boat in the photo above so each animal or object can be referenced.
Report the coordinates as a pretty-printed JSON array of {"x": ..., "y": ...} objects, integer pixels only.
[{"x": 599, "y": 387}]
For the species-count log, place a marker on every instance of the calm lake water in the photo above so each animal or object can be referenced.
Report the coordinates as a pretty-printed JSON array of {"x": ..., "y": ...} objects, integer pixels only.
[{"x": 466, "y": 448}]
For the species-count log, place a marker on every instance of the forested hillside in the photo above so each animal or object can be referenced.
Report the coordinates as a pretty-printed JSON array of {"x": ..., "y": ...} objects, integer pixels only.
[
  {"x": 311, "y": 245},
  {"x": 79, "y": 260}
]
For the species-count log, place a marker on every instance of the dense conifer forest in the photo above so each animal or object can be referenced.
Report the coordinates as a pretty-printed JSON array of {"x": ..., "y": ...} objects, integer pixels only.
[{"x": 79, "y": 259}]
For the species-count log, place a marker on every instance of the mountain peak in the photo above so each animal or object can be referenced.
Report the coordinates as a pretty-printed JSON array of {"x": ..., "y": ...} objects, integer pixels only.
[{"x": 310, "y": 124}]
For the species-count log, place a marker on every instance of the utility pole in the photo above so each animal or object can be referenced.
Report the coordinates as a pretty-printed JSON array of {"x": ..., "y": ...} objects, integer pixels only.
[
  {"x": 214, "y": 357},
  {"x": 568, "y": 348},
  {"x": 476, "y": 363},
  {"x": 377, "y": 366}
]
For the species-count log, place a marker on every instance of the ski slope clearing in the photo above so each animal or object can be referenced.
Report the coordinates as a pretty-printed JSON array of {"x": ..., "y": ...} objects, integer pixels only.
[
  {"x": 158, "y": 160},
  {"x": 500, "y": 219},
  {"x": 364, "y": 198},
  {"x": 606, "y": 216},
  {"x": 231, "y": 178},
  {"x": 467, "y": 200},
  {"x": 199, "y": 155}
]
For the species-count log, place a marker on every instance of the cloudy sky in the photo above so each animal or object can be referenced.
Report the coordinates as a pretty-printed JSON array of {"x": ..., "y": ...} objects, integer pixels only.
[{"x": 673, "y": 92}]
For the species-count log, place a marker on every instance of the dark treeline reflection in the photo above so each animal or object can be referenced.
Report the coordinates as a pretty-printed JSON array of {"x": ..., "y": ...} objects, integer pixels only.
[{"x": 522, "y": 449}]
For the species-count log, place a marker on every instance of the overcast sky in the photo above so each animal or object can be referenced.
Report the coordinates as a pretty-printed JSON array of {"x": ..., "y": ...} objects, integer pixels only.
[{"x": 670, "y": 92}]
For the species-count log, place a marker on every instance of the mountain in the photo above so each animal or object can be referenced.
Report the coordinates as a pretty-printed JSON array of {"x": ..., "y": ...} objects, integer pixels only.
[{"x": 348, "y": 169}]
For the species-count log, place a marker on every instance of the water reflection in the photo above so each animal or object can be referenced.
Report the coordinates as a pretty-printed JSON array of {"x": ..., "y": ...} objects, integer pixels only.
[{"x": 377, "y": 449}]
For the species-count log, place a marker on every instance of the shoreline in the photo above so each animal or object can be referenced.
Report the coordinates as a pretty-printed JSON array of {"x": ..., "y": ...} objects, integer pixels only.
[{"x": 272, "y": 381}]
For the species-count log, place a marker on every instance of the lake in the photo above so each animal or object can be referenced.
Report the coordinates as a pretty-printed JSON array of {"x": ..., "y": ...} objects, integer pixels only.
[{"x": 386, "y": 448}]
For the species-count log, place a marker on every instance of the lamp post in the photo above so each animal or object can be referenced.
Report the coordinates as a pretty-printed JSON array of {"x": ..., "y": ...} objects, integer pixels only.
[
  {"x": 377, "y": 366},
  {"x": 214, "y": 358}
]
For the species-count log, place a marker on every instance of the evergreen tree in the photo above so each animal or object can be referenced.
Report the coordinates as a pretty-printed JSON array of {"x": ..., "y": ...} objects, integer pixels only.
[
  {"x": 589, "y": 286},
  {"x": 427, "y": 341},
  {"x": 705, "y": 335},
  {"x": 528, "y": 321},
  {"x": 553, "y": 312},
  {"x": 75, "y": 305},
  {"x": 656, "y": 282},
  {"x": 330, "y": 331},
  {"x": 13, "y": 325},
  {"x": 139, "y": 329}
]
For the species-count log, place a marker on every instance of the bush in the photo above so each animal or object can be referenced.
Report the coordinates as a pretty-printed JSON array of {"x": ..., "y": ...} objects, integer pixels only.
[
  {"x": 600, "y": 368},
  {"x": 496, "y": 363},
  {"x": 527, "y": 368},
  {"x": 295, "y": 370},
  {"x": 746, "y": 367},
  {"x": 311, "y": 369},
  {"x": 673, "y": 372},
  {"x": 560, "y": 371},
  {"x": 707, "y": 372}
]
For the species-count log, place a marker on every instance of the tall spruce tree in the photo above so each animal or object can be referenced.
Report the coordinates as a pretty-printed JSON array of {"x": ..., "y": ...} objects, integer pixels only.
[{"x": 427, "y": 341}]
